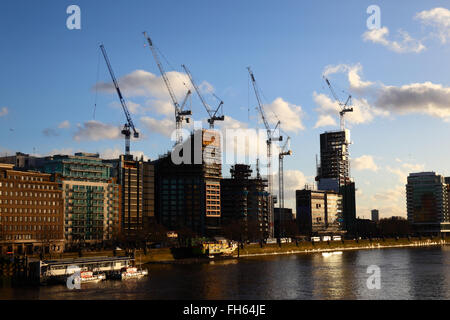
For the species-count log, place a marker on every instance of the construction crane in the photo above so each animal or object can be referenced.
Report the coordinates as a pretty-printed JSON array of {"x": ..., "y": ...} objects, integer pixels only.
[
  {"x": 181, "y": 115},
  {"x": 270, "y": 138},
  {"x": 129, "y": 125},
  {"x": 213, "y": 114},
  {"x": 284, "y": 151},
  {"x": 344, "y": 106}
]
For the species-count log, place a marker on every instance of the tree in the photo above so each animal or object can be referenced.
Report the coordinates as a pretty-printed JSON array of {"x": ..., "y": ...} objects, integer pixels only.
[{"x": 395, "y": 226}]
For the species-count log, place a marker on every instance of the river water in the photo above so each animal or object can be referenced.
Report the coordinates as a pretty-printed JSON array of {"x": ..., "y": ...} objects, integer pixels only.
[{"x": 412, "y": 273}]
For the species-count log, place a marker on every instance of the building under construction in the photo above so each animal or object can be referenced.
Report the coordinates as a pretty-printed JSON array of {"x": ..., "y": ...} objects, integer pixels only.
[
  {"x": 245, "y": 200},
  {"x": 189, "y": 192},
  {"x": 333, "y": 172}
]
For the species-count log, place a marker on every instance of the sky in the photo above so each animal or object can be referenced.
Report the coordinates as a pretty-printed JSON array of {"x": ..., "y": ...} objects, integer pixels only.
[{"x": 56, "y": 95}]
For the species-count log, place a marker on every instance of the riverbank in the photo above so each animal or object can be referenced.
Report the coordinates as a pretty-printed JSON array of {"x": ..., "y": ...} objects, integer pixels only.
[{"x": 164, "y": 256}]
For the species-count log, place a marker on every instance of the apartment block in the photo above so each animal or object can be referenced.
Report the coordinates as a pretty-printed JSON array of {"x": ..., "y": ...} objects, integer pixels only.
[
  {"x": 319, "y": 212},
  {"x": 137, "y": 185},
  {"x": 427, "y": 195},
  {"x": 91, "y": 198}
]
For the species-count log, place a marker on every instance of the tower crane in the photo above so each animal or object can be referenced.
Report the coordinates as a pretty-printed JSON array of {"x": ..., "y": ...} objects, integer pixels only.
[
  {"x": 213, "y": 114},
  {"x": 284, "y": 151},
  {"x": 344, "y": 106},
  {"x": 181, "y": 115},
  {"x": 270, "y": 138},
  {"x": 129, "y": 125}
]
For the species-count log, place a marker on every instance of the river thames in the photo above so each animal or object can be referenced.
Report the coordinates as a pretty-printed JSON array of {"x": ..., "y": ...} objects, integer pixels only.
[{"x": 412, "y": 273}]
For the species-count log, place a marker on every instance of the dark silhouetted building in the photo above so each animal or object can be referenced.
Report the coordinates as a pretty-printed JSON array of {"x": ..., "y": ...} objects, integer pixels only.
[
  {"x": 245, "y": 200},
  {"x": 137, "y": 185},
  {"x": 188, "y": 193}
]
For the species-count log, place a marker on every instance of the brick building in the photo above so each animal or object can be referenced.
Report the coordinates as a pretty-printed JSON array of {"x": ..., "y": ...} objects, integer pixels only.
[{"x": 31, "y": 212}]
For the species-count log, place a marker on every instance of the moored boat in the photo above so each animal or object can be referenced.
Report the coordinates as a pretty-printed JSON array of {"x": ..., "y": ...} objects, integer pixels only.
[
  {"x": 88, "y": 276},
  {"x": 133, "y": 273}
]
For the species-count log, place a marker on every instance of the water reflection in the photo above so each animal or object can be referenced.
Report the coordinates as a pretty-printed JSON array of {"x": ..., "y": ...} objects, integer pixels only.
[{"x": 405, "y": 274}]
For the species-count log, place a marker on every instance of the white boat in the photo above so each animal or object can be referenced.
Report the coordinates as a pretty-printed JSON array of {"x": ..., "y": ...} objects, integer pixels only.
[
  {"x": 88, "y": 276},
  {"x": 133, "y": 273}
]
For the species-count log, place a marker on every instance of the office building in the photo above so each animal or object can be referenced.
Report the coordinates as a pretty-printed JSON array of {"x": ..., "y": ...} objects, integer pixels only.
[
  {"x": 91, "y": 198},
  {"x": 427, "y": 203},
  {"x": 319, "y": 212},
  {"x": 31, "y": 212}
]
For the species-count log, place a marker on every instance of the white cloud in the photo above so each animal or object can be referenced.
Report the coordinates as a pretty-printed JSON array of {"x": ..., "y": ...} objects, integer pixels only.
[
  {"x": 289, "y": 114},
  {"x": 325, "y": 121},
  {"x": 364, "y": 162},
  {"x": 64, "y": 125},
  {"x": 293, "y": 180},
  {"x": 165, "y": 127},
  {"x": 96, "y": 131},
  {"x": 406, "y": 43},
  {"x": 4, "y": 111},
  {"x": 404, "y": 170},
  {"x": 141, "y": 83},
  {"x": 134, "y": 108},
  {"x": 382, "y": 100},
  {"x": 425, "y": 98},
  {"x": 162, "y": 107},
  {"x": 363, "y": 112},
  {"x": 439, "y": 19},
  {"x": 353, "y": 74},
  {"x": 115, "y": 153}
]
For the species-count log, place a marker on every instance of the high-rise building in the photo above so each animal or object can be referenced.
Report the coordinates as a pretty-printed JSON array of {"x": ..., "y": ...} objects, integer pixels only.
[
  {"x": 137, "y": 185},
  {"x": 427, "y": 203},
  {"x": 189, "y": 190},
  {"x": 91, "y": 197},
  {"x": 319, "y": 212},
  {"x": 245, "y": 200},
  {"x": 375, "y": 215},
  {"x": 31, "y": 212},
  {"x": 334, "y": 168},
  {"x": 333, "y": 172}
]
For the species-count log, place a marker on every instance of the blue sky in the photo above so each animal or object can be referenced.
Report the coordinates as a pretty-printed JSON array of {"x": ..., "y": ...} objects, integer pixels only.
[{"x": 48, "y": 74}]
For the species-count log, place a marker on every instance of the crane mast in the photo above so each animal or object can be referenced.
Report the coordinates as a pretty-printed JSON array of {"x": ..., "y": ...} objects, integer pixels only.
[
  {"x": 181, "y": 115},
  {"x": 129, "y": 125},
  {"x": 284, "y": 151},
  {"x": 344, "y": 106},
  {"x": 213, "y": 117},
  {"x": 270, "y": 139}
]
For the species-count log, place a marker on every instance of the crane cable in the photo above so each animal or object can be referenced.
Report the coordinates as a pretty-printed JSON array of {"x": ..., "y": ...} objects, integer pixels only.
[
  {"x": 170, "y": 65},
  {"x": 96, "y": 84}
]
